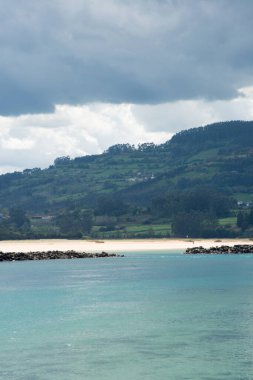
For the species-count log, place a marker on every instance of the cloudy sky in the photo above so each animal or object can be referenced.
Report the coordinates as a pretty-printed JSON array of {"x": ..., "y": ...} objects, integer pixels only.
[{"x": 78, "y": 76}]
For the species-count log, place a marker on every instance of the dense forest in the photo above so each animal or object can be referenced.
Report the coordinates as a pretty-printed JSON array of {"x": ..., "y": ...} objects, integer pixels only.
[{"x": 198, "y": 184}]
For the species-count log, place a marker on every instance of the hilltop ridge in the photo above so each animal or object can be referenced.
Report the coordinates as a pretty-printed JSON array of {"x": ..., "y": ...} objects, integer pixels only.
[{"x": 126, "y": 180}]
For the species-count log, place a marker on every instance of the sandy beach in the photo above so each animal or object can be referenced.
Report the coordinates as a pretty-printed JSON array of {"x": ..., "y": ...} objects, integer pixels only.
[{"x": 114, "y": 246}]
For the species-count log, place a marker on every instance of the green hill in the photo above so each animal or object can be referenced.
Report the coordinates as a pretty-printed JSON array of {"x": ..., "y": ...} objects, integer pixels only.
[{"x": 126, "y": 182}]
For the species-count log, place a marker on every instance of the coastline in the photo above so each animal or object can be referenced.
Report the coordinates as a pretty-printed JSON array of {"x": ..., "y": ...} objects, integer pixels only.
[{"x": 115, "y": 246}]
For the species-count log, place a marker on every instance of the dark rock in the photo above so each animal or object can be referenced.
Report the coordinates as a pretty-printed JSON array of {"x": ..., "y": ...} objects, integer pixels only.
[
  {"x": 224, "y": 249},
  {"x": 52, "y": 255}
]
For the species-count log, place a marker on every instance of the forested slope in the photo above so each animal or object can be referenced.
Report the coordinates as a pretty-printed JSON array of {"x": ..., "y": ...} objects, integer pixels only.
[{"x": 125, "y": 179}]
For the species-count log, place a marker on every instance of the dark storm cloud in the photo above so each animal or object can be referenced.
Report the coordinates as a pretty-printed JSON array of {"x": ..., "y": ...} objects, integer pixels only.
[{"x": 137, "y": 51}]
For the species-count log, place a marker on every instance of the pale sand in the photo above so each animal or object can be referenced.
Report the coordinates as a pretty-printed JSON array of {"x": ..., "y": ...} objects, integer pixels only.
[{"x": 114, "y": 245}]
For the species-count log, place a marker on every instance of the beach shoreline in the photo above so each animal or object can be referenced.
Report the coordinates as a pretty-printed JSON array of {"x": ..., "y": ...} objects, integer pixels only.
[{"x": 115, "y": 246}]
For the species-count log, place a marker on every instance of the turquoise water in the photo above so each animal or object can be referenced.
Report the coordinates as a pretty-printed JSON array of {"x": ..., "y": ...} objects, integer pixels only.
[{"x": 145, "y": 316}]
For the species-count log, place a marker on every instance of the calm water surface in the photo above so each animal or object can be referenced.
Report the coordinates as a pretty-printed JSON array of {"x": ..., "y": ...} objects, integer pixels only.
[{"x": 147, "y": 316}]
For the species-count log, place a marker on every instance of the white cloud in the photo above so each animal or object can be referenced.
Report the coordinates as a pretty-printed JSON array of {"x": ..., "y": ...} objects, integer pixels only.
[
  {"x": 176, "y": 116},
  {"x": 36, "y": 140},
  {"x": 28, "y": 141},
  {"x": 15, "y": 144}
]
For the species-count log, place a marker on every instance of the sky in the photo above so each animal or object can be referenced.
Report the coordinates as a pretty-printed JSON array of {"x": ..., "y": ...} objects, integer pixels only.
[{"x": 79, "y": 76}]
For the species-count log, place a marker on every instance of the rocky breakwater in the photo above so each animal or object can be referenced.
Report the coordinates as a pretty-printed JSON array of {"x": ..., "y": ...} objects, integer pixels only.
[
  {"x": 52, "y": 255},
  {"x": 224, "y": 249}
]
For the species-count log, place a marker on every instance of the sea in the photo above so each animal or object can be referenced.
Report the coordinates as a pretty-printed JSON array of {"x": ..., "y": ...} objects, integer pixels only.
[{"x": 145, "y": 316}]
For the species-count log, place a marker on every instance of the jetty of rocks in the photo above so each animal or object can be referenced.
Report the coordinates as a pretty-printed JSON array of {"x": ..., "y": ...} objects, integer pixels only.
[
  {"x": 52, "y": 255},
  {"x": 224, "y": 249}
]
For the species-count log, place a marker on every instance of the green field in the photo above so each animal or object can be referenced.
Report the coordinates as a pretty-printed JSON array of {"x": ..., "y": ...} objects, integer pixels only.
[
  {"x": 134, "y": 231},
  {"x": 231, "y": 222}
]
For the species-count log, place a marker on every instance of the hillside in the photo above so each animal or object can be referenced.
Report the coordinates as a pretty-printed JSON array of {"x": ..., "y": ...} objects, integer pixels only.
[{"x": 218, "y": 156}]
